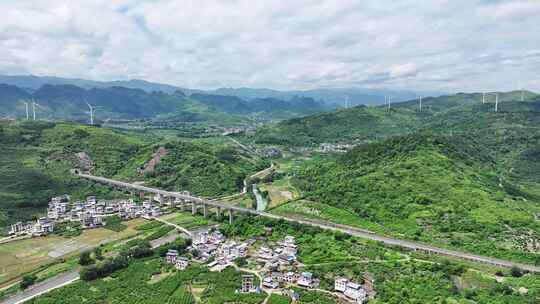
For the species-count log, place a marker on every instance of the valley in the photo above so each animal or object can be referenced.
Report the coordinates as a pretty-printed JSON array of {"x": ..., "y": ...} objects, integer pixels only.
[{"x": 454, "y": 177}]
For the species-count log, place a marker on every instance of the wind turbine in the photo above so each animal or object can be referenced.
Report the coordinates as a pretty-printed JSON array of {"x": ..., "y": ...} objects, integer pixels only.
[
  {"x": 26, "y": 106},
  {"x": 420, "y": 102},
  {"x": 34, "y": 108},
  {"x": 496, "y": 99},
  {"x": 91, "y": 113}
]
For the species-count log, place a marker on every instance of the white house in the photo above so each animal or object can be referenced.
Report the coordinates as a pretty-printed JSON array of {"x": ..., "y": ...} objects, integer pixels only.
[
  {"x": 355, "y": 292},
  {"x": 181, "y": 263},
  {"x": 340, "y": 284},
  {"x": 171, "y": 256},
  {"x": 305, "y": 280}
]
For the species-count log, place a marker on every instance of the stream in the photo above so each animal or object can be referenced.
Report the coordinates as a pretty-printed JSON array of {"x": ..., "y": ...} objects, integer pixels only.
[{"x": 261, "y": 202}]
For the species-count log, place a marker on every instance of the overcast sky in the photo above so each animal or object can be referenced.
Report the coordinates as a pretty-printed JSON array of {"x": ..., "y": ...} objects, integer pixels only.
[{"x": 453, "y": 45}]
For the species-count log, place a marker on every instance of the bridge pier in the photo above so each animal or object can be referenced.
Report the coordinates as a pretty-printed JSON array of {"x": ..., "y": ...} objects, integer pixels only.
[
  {"x": 141, "y": 195},
  {"x": 218, "y": 213},
  {"x": 205, "y": 210},
  {"x": 193, "y": 208},
  {"x": 161, "y": 199},
  {"x": 230, "y": 216}
]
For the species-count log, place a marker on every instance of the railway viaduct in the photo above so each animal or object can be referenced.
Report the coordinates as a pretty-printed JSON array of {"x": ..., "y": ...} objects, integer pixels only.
[{"x": 188, "y": 200}]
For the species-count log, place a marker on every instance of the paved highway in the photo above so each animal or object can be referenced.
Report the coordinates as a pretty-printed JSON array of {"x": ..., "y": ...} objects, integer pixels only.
[
  {"x": 43, "y": 287},
  {"x": 325, "y": 225}
]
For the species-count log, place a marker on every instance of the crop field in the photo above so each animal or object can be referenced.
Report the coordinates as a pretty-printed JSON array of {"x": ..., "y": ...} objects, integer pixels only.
[
  {"x": 279, "y": 192},
  {"x": 138, "y": 284},
  {"x": 22, "y": 256},
  {"x": 186, "y": 220}
]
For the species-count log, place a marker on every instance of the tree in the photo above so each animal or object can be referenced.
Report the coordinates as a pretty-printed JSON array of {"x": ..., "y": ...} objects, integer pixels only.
[
  {"x": 28, "y": 280},
  {"x": 85, "y": 258},
  {"x": 98, "y": 253},
  {"x": 241, "y": 261},
  {"x": 516, "y": 272},
  {"x": 89, "y": 273}
]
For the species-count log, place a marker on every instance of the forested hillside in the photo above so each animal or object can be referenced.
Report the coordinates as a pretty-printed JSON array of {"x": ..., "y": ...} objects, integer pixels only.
[
  {"x": 35, "y": 159},
  {"x": 438, "y": 189},
  {"x": 367, "y": 124}
]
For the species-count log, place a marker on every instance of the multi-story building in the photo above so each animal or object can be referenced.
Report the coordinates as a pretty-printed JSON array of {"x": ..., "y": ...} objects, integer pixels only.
[
  {"x": 248, "y": 281},
  {"x": 43, "y": 226},
  {"x": 181, "y": 263},
  {"x": 355, "y": 292},
  {"x": 340, "y": 284},
  {"x": 19, "y": 228},
  {"x": 171, "y": 256}
]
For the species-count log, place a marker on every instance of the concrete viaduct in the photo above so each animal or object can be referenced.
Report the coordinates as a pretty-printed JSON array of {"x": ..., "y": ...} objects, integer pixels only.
[{"x": 206, "y": 204}]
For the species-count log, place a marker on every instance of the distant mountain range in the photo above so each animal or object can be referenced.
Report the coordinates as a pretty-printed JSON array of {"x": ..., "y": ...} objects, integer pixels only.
[
  {"x": 335, "y": 96},
  {"x": 69, "y": 102}
]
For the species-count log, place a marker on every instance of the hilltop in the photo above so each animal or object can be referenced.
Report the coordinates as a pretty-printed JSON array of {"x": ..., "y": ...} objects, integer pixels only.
[{"x": 367, "y": 124}]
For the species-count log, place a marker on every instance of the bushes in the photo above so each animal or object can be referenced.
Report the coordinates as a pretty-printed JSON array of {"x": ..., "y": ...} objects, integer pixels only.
[
  {"x": 159, "y": 233},
  {"x": 114, "y": 223},
  {"x": 28, "y": 280},
  {"x": 109, "y": 265},
  {"x": 85, "y": 258}
]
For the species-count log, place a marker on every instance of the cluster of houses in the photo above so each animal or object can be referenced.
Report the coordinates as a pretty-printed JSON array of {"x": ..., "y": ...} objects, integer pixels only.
[
  {"x": 213, "y": 246},
  {"x": 179, "y": 262},
  {"x": 91, "y": 213},
  {"x": 42, "y": 226},
  {"x": 351, "y": 290}
]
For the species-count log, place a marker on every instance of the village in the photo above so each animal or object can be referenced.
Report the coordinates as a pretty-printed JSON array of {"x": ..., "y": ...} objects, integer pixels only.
[
  {"x": 271, "y": 267},
  {"x": 90, "y": 213}
]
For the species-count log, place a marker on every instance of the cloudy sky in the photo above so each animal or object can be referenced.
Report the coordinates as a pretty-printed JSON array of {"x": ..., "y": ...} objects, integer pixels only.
[{"x": 452, "y": 45}]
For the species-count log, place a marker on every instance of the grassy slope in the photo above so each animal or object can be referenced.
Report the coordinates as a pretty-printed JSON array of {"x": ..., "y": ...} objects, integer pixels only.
[
  {"x": 35, "y": 159},
  {"x": 429, "y": 188}
]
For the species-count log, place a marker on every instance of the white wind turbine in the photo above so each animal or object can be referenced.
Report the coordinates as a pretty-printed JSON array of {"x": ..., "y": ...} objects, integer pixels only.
[
  {"x": 26, "y": 106},
  {"x": 91, "y": 113}
]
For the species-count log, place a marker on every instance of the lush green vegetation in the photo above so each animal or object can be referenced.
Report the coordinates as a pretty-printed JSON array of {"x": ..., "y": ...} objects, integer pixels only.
[
  {"x": 114, "y": 223},
  {"x": 36, "y": 158},
  {"x": 134, "y": 284},
  {"x": 399, "y": 276},
  {"x": 361, "y": 123},
  {"x": 202, "y": 170},
  {"x": 425, "y": 187}
]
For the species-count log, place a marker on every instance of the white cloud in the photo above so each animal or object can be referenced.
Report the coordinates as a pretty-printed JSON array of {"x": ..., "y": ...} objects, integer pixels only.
[{"x": 458, "y": 45}]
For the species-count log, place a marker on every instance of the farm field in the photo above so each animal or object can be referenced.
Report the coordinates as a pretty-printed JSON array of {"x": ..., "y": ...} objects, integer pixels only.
[
  {"x": 186, "y": 220},
  {"x": 22, "y": 256},
  {"x": 278, "y": 193},
  {"x": 138, "y": 284}
]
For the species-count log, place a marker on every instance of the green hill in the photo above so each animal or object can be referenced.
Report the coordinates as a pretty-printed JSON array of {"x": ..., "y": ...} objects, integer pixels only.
[
  {"x": 367, "y": 124},
  {"x": 35, "y": 159},
  {"x": 437, "y": 189}
]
